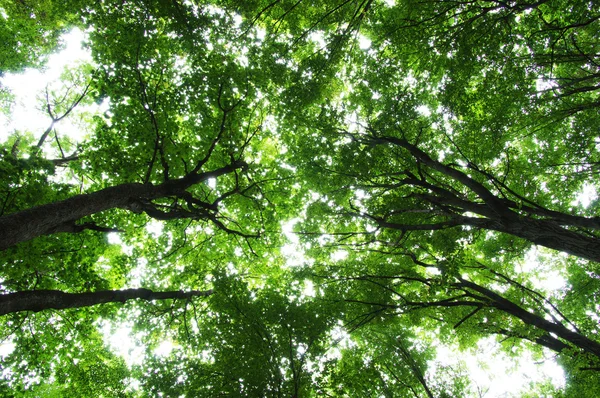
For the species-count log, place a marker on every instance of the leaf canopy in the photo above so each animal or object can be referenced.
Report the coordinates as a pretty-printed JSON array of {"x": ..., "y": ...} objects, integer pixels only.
[{"x": 357, "y": 186}]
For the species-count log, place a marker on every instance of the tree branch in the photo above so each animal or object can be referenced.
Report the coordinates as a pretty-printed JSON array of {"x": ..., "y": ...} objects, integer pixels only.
[{"x": 39, "y": 300}]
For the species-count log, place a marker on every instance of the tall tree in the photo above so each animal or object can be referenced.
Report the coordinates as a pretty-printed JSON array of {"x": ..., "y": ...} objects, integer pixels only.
[{"x": 422, "y": 149}]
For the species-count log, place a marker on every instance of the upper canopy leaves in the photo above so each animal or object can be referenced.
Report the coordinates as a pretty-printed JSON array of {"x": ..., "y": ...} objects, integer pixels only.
[{"x": 419, "y": 148}]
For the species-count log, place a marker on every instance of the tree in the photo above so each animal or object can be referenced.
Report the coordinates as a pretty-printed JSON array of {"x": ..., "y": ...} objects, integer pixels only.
[
  {"x": 443, "y": 196},
  {"x": 62, "y": 216},
  {"x": 421, "y": 149},
  {"x": 31, "y": 30}
]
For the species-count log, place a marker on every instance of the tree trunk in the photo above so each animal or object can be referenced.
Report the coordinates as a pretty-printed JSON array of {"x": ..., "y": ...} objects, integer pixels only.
[
  {"x": 39, "y": 300},
  {"x": 543, "y": 233},
  {"x": 62, "y": 215},
  {"x": 58, "y": 216}
]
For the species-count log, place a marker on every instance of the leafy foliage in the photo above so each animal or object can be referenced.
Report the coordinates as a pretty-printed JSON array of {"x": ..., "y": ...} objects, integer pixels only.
[{"x": 430, "y": 157}]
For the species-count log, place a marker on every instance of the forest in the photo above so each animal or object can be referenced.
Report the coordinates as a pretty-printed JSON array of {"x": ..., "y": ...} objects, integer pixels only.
[{"x": 298, "y": 198}]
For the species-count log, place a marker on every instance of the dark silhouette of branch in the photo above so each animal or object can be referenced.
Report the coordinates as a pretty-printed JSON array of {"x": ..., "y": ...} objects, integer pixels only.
[
  {"x": 55, "y": 119},
  {"x": 39, "y": 300}
]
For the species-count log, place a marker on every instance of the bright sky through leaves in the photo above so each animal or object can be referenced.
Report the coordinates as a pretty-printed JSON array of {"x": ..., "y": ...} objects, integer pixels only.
[
  {"x": 27, "y": 113},
  {"x": 267, "y": 199}
]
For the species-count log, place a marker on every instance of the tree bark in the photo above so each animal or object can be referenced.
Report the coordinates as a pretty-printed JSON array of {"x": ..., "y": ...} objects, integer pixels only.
[
  {"x": 61, "y": 216},
  {"x": 39, "y": 300},
  {"x": 542, "y": 232}
]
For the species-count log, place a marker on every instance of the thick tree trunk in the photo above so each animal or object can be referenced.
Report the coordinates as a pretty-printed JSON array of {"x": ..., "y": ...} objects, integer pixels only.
[
  {"x": 56, "y": 217},
  {"x": 541, "y": 232},
  {"x": 39, "y": 300},
  {"x": 550, "y": 235},
  {"x": 61, "y": 216}
]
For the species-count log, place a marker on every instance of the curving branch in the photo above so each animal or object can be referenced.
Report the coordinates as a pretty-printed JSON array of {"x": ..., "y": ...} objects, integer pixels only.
[
  {"x": 461, "y": 200},
  {"x": 463, "y": 293}
]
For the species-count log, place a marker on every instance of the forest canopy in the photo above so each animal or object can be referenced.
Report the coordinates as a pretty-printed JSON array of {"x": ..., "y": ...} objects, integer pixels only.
[{"x": 289, "y": 198}]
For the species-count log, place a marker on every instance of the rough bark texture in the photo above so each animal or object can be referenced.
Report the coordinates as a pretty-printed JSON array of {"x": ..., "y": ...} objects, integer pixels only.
[
  {"x": 544, "y": 233},
  {"x": 39, "y": 300},
  {"x": 61, "y": 216},
  {"x": 55, "y": 217}
]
